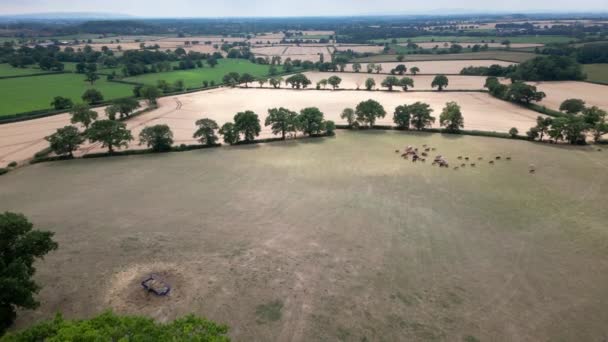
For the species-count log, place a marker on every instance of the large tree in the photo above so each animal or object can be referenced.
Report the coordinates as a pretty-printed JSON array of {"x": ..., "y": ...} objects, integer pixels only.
[
  {"x": 246, "y": 78},
  {"x": 596, "y": 120},
  {"x": 370, "y": 83},
  {"x": 572, "y": 106},
  {"x": 126, "y": 106},
  {"x": 390, "y": 82},
  {"x": 334, "y": 81},
  {"x": 440, "y": 81},
  {"x": 60, "y": 102},
  {"x": 311, "y": 120},
  {"x": 401, "y": 116},
  {"x": 524, "y": 93},
  {"x": 421, "y": 115},
  {"x": 248, "y": 124},
  {"x": 150, "y": 93},
  {"x": 82, "y": 113},
  {"x": 406, "y": 83},
  {"x": 348, "y": 114},
  {"x": 298, "y": 81},
  {"x": 110, "y": 134},
  {"x": 157, "y": 137},
  {"x": 205, "y": 131},
  {"x": 414, "y": 70},
  {"x": 368, "y": 111},
  {"x": 65, "y": 140},
  {"x": 451, "y": 117},
  {"x": 400, "y": 69},
  {"x": 230, "y": 134},
  {"x": 356, "y": 67},
  {"x": 92, "y": 96},
  {"x": 20, "y": 246},
  {"x": 281, "y": 121}
]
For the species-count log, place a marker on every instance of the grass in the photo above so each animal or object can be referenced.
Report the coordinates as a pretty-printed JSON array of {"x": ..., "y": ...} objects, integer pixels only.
[
  {"x": 195, "y": 77},
  {"x": 487, "y": 39},
  {"x": 335, "y": 232},
  {"x": 18, "y": 95},
  {"x": 510, "y": 56},
  {"x": 597, "y": 73}
]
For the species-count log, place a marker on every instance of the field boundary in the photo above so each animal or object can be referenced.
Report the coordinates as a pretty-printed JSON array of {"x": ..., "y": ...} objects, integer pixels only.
[
  {"x": 36, "y": 74},
  {"x": 490, "y": 134}
]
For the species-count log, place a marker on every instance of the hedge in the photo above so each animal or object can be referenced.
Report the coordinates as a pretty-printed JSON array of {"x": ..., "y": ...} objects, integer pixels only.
[
  {"x": 441, "y": 131},
  {"x": 36, "y": 74}
]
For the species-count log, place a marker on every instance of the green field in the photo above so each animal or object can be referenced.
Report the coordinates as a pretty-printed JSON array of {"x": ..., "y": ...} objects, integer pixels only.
[
  {"x": 18, "y": 95},
  {"x": 7, "y": 70},
  {"x": 340, "y": 238},
  {"x": 509, "y": 56},
  {"x": 195, "y": 77},
  {"x": 486, "y": 39},
  {"x": 596, "y": 72}
]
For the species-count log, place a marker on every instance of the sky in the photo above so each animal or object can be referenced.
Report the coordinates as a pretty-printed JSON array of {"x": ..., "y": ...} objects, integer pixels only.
[{"x": 274, "y": 8}]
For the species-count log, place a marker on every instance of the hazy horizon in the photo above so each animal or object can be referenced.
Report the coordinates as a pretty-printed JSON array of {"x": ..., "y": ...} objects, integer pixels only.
[{"x": 275, "y": 8}]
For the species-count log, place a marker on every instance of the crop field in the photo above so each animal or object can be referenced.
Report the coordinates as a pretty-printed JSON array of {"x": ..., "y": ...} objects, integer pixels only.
[
  {"x": 195, "y": 77},
  {"x": 557, "y": 92},
  {"x": 18, "y": 95},
  {"x": 331, "y": 239},
  {"x": 510, "y": 56},
  {"x": 434, "y": 67},
  {"x": 596, "y": 72},
  {"x": 445, "y": 45},
  {"x": 19, "y": 141},
  {"x": 540, "y": 39},
  {"x": 421, "y": 82},
  {"x": 304, "y": 53}
]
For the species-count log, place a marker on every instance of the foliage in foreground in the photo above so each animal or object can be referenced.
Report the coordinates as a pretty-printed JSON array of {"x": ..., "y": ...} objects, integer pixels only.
[
  {"x": 20, "y": 246},
  {"x": 111, "y": 327}
]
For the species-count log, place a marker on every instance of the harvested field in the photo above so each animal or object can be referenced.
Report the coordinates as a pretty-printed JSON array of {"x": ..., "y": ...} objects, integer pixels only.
[
  {"x": 304, "y": 53},
  {"x": 510, "y": 56},
  {"x": 445, "y": 45},
  {"x": 422, "y": 82},
  {"x": 481, "y": 112},
  {"x": 273, "y": 239},
  {"x": 361, "y": 48},
  {"x": 557, "y": 92},
  {"x": 435, "y": 67}
]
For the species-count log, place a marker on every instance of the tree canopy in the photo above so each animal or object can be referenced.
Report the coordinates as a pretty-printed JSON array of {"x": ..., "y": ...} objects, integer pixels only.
[
  {"x": 311, "y": 121},
  {"x": 281, "y": 120},
  {"x": 20, "y": 246},
  {"x": 248, "y": 124},
  {"x": 368, "y": 111},
  {"x": 205, "y": 131},
  {"x": 110, "y": 134},
  {"x": 65, "y": 140},
  {"x": 440, "y": 81},
  {"x": 157, "y": 137},
  {"x": 451, "y": 117},
  {"x": 82, "y": 113},
  {"x": 421, "y": 115}
]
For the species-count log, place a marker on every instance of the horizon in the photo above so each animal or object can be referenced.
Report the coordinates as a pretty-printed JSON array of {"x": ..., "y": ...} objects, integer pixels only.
[{"x": 274, "y": 9}]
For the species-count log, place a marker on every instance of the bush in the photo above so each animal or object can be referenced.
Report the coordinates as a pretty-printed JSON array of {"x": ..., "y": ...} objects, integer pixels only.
[
  {"x": 111, "y": 327},
  {"x": 330, "y": 128},
  {"x": 3, "y": 170},
  {"x": 12, "y": 164}
]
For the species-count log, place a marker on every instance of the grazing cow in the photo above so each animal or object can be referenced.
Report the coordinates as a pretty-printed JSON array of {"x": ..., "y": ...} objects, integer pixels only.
[
  {"x": 491, "y": 162},
  {"x": 472, "y": 164},
  {"x": 455, "y": 167},
  {"x": 459, "y": 157},
  {"x": 396, "y": 151},
  {"x": 463, "y": 165},
  {"x": 424, "y": 154},
  {"x": 497, "y": 157},
  {"x": 508, "y": 158},
  {"x": 433, "y": 149},
  {"x": 531, "y": 168},
  {"x": 480, "y": 158},
  {"x": 466, "y": 158}
]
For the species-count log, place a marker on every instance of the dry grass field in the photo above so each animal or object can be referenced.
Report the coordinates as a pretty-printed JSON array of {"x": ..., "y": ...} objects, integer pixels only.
[
  {"x": 557, "y": 92},
  {"x": 443, "y": 45},
  {"x": 435, "y": 67},
  {"x": 19, "y": 141},
  {"x": 421, "y": 82},
  {"x": 331, "y": 239}
]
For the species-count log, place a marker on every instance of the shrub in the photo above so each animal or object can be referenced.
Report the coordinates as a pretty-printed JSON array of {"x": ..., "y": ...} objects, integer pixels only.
[
  {"x": 330, "y": 128},
  {"x": 3, "y": 170},
  {"x": 111, "y": 327},
  {"x": 513, "y": 132},
  {"x": 12, "y": 164}
]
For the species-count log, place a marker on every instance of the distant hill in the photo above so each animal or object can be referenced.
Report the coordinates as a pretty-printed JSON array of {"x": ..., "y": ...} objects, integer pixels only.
[{"x": 65, "y": 16}]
